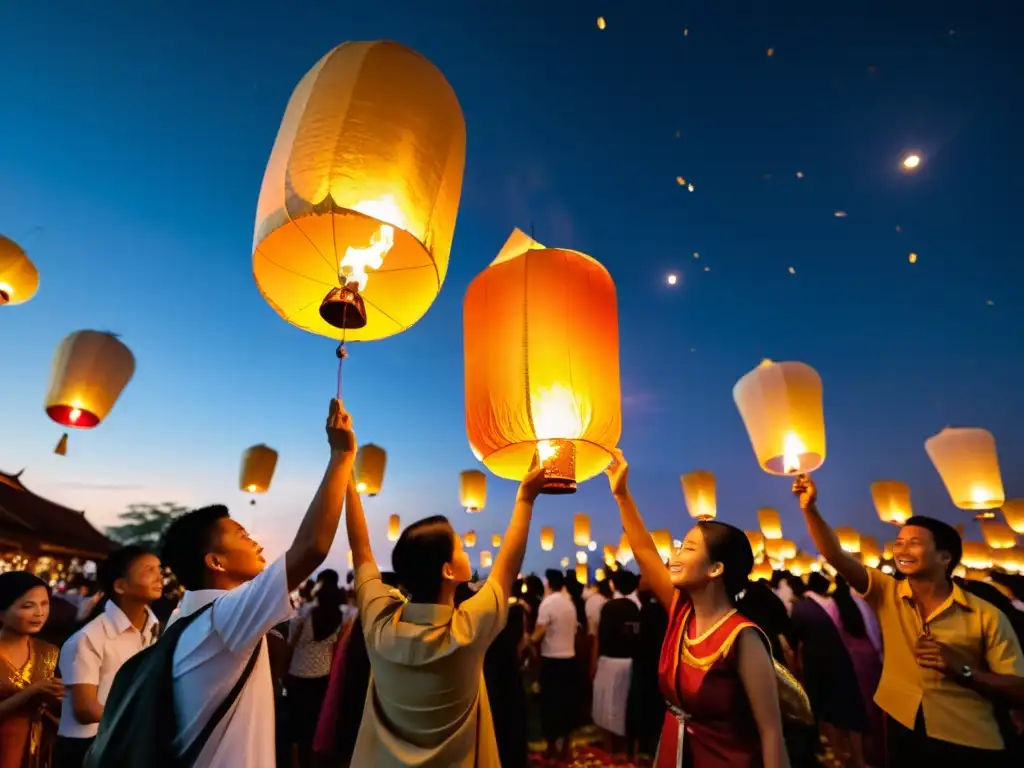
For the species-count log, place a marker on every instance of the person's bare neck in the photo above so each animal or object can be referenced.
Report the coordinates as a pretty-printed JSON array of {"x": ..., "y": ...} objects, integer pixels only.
[
  {"x": 12, "y": 640},
  {"x": 930, "y": 591},
  {"x": 709, "y": 605},
  {"x": 447, "y": 594},
  {"x": 222, "y": 581}
]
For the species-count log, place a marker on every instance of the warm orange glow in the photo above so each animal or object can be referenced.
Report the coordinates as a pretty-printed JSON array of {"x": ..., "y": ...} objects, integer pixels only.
[
  {"x": 624, "y": 554},
  {"x": 770, "y": 523},
  {"x": 608, "y": 554},
  {"x": 997, "y": 535},
  {"x": 394, "y": 528},
  {"x": 966, "y": 460},
  {"x": 349, "y": 559},
  {"x": 663, "y": 542},
  {"x": 362, "y": 187},
  {"x": 495, "y": 540},
  {"x": 761, "y": 570},
  {"x": 547, "y": 539},
  {"x": 371, "y": 461},
  {"x": 581, "y": 529},
  {"x": 19, "y": 278},
  {"x": 582, "y": 574},
  {"x": 976, "y": 556},
  {"x": 486, "y": 559},
  {"x": 469, "y": 540},
  {"x": 672, "y": 279},
  {"x": 699, "y": 494},
  {"x": 1013, "y": 513},
  {"x": 910, "y": 162},
  {"x": 870, "y": 551},
  {"x": 849, "y": 539},
  {"x": 756, "y": 539},
  {"x": 473, "y": 490},
  {"x": 892, "y": 501},
  {"x": 90, "y": 370},
  {"x": 599, "y": 574},
  {"x": 258, "y": 465},
  {"x": 779, "y": 550}
]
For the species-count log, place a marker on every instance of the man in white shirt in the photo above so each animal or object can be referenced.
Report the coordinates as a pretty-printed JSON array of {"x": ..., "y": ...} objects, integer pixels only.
[
  {"x": 214, "y": 558},
  {"x": 559, "y": 673}
]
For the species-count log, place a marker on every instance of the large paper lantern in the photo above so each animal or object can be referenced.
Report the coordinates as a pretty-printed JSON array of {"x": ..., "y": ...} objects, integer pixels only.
[
  {"x": 870, "y": 551},
  {"x": 357, "y": 209},
  {"x": 580, "y": 529},
  {"x": 1013, "y": 513},
  {"x": 770, "y": 523},
  {"x": 849, "y": 539},
  {"x": 663, "y": 543},
  {"x": 486, "y": 559},
  {"x": 473, "y": 490},
  {"x": 19, "y": 278},
  {"x": 699, "y": 493},
  {"x": 976, "y": 555},
  {"x": 541, "y": 340},
  {"x": 547, "y": 539},
  {"x": 761, "y": 570},
  {"x": 781, "y": 407},
  {"x": 756, "y": 539},
  {"x": 369, "y": 470},
  {"x": 966, "y": 460},
  {"x": 394, "y": 528},
  {"x": 469, "y": 539},
  {"x": 258, "y": 465},
  {"x": 582, "y": 574},
  {"x": 997, "y": 535},
  {"x": 892, "y": 501},
  {"x": 496, "y": 540}
]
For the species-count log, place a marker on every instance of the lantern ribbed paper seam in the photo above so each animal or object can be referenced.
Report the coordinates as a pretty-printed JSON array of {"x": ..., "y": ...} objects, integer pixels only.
[
  {"x": 966, "y": 460},
  {"x": 19, "y": 278},
  {"x": 258, "y": 465},
  {"x": 90, "y": 370}
]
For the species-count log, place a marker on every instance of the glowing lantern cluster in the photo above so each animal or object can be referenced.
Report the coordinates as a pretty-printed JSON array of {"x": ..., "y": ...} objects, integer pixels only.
[
  {"x": 976, "y": 556},
  {"x": 541, "y": 342},
  {"x": 495, "y": 540},
  {"x": 870, "y": 551},
  {"x": 801, "y": 564},
  {"x": 770, "y": 523},
  {"x": 966, "y": 460},
  {"x": 998, "y": 535},
  {"x": 486, "y": 559},
  {"x": 357, "y": 208},
  {"x": 756, "y": 539},
  {"x": 473, "y": 490},
  {"x": 369, "y": 470},
  {"x": 1010, "y": 560},
  {"x": 761, "y": 570},
  {"x": 849, "y": 539},
  {"x": 699, "y": 493},
  {"x": 258, "y": 465},
  {"x": 1013, "y": 513},
  {"x": 19, "y": 278},
  {"x": 547, "y": 539},
  {"x": 779, "y": 550},
  {"x": 582, "y": 573},
  {"x": 581, "y": 529},
  {"x": 469, "y": 539},
  {"x": 892, "y": 501},
  {"x": 608, "y": 555},
  {"x": 781, "y": 407},
  {"x": 663, "y": 543},
  {"x": 394, "y": 527}
]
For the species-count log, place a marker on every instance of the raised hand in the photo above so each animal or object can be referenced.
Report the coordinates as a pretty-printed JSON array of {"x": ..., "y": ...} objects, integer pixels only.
[
  {"x": 806, "y": 491},
  {"x": 532, "y": 483},
  {"x": 618, "y": 474},
  {"x": 340, "y": 436}
]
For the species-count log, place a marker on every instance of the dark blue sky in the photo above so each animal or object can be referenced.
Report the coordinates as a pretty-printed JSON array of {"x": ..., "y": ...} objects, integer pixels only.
[{"x": 132, "y": 148}]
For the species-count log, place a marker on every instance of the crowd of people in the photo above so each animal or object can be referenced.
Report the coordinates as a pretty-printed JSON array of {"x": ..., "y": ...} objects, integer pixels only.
[{"x": 688, "y": 664}]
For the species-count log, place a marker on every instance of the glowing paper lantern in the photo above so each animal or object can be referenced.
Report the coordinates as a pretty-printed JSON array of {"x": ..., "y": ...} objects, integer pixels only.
[
  {"x": 663, "y": 541},
  {"x": 966, "y": 460},
  {"x": 541, "y": 342},
  {"x": 369, "y": 471},
  {"x": 473, "y": 489},
  {"x": 394, "y": 527},
  {"x": 770, "y": 523},
  {"x": 976, "y": 555},
  {"x": 19, "y": 278},
  {"x": 997, "y": 535},
  {"x": 625, "y": 552},
  {"x": 887, "y": 550},
  {"x": 1013, "y": 513},
  {"x": 849, "y": 539},
  {"x": 761, "y": 570},
  {"x": 870, "y": 551},
  {"x": 582, "y": 574},
  {"x": 892, "y": 501},
  {"x": 800, "y": 565},
  {"x": 756, "y": 539},
  {"x": 779, "y": 550},
  {"x": 258, "y": 464},
  {"x": 581, "y": 557},
  {"x": 495, "y": 540},
  {"x": 599, "y": 574},
  {"x": 486, "y": 559},
  {"x": 470, "y": 539},
  {"x": 1010, "y": 560},
  {"x": 357, "y": 209},
  {"x": 547, "y": 539},
  {"x": 699, "y": 493},
  {"x": 580, "y": 529},
  {"x": 609, "y": 555},
  {"x": 781, "y": 407}
]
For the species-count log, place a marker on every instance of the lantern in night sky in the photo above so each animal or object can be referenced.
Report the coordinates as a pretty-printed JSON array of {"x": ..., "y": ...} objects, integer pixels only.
[
  {"x": 258, "y": 465},
  {"x": 394, "y": 527},
  {"x": 781, "y": 407},
  {"x": 1013, "y": 513},
  {"x": 486, "y": 559},
  {"x": 357, "y": 208},
  {"x": 892, "y": 501},
  {"x": 887, "y": 550},
  {"x": 870, "y": 551},
  {"x": 779, "y": 550},
  {"x": 608, "y": 555},
  {"x": 495, "y": 540},
  {"x": 663, "y": 543},
  {"x": 369, "y": 470},
  {"x": 976, "y": 555},
  {"x": 599, "y": 574},
  {"x": 770, "y": 523},
  {"x": 997, "y": 534},
  {"x": 761, "y": 570},
  {"x": 541, "y": 340},
  {"x": 849, "y": 539},
  {"x": 699, "y": 493},
  {"x": 469, "y": 539},
  {"x": 625, "y": 552},
  {"x": 756, "y": 539},
  {"x": 473, "y": 490},
  {"x": 547, "y": 539},
  {"x": 19, "y": 278},
  {"x": 90, "y": 370},
  {"x": 966, "y": 460},
  {"x": 580, "y": 529},
  {"x": 582, "y": 574}
]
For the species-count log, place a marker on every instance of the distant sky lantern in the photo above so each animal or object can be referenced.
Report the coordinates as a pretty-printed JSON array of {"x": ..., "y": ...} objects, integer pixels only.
[
  {"x": 849, "y": 539},
  {"x": 976, "y": 555},
  {"x": 1013, "y": 513},
  {"x": 671, "y": 279},
  {"x": 910, "y": 161},
  {"x": 761, "y": 570},
  {"x": 369, "y": 470},
  {"x": 800, "y": 564},
  {"x": 892, "y": 501},
  {"x": 394, "y": 528},
  {"x": 547, "y": 539},
  {"x": 469, "y": 539},
  {"x": 592, "y": 545},
  {"x": 997, "y": 534},
  {"x": 870, "y": 551},
  {"x": 1010, "y": 560},
  {"x": 966, "y": 460},
  {"x": 887, "y": 550},
  {"x": 770, "y": 523},
  {"x": 601, "y": 22},
  {"x": 781, "y": 407},
  {"x": 473, "y": 490},
  {"x": 599, "y": 574},
  {"x": 541, "y": 340},
  {"x": 581, "y": 557},
  {"x": 495, "y": 540},
  {"x": 90, "y": 370},
  {"x": 582, "y": 574},
  {"x": 608, "y": 555},
  {"x": 486, "y": 559},
  {"x": 699, "y": 494},
  {"x": 564, "y": 562},
  {"x": 663, "y": 543},
  {"x": 580, "y": 529},
  {"x": 357, "y": 208},
  {"x": 756, "y": 539},
  {"x": 258, "y": 465},
  {"x": 624, "y": 554},
  {"x": 19, "y": 278}
]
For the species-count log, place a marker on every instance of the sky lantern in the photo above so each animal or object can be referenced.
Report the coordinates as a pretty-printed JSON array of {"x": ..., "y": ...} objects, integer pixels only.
[
  {"x": 599, "y": 574},
  {"x": 761, "y": 570},
  {"x": 849, "y": 539},
  {"x": 258, "y": 465},
  {"x": 369, "y": 470},
  {"x": 473, "y": 490},
  {"x": 90, "y": 370},
  {"x": 781, "y": 407},
  {"x": 356, "y": 212},
  {"x": 1010, "y": 560},
  {"x": 19, "y": 278},
  {"x": 800, "y": 564},
  {"x": 547, "y": 539},
  {"x": 582, "y": 574},
  {"x": 486, "y": 559},
  {"x": 892, "y": 501},
  {"x": 624, "y": 553},
  {"x": 997, "y": 534},
  {"x": 495, "y": 540},
  {"x": 394, "y": 527},
  {"x": 581, "y": 557},
  {"x": 541, "y": 341},
  {"x": 770, "y": 523},
  {"x": 663, "y": 543},
  {"x": 581, "y": 529},
  {"x": 966, "y": 460},
  {"x": 699, "y": 494},
  {"x": 1013, "y": 513},
  {"x": 976, "y": 556},
  {"x": 608, "y": 555},
  {"x": 887, "y": 550},
  {"x": 756, "y": 539},
  {"x": 469, "y": 539},
  {"x": 870, "y": 551}
]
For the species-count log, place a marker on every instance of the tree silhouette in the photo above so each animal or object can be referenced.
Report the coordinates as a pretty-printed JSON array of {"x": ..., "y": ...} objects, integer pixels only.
[{"x": 144, "y": 524}]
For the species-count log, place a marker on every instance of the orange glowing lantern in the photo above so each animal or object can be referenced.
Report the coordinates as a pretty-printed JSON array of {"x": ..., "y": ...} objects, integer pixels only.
[
  {"x": 582, "y": 574},
  {"x": 547, "y": 539},
  {"x": 369, "y": 470},
  {"x": 581, "y": 529},
  {"x": 756, "y": 539},
  {"x": 1013, "y": 513},
  {"x": 770, "y": 523},
  {"x": 997, "y": 535},
  {"x": 699, "y": 493},
  {"x": 887, "y": 550},
  {"x": 90, "y": 370},
  {"x": 258, "y": 465},
  {"x": 599, "y": 575},
  {"x": 608, "y": 554},
  {"x": 800, "y": 564},
  {"x": 357, "y": 208},
  {"x": 1010, "y": 560},
  {"x": 976, "y": 556},
  {"x": 495, "y": 540},
  {"x": 870, "y": 551},
  {"x": 966, "y": 460},
  {"x": 761, "y": 570},
  {"x": 663, "y": 542},
  {"x": 849, "y": 539},
  {"x": 781, "y": 407},
  {"x": 541, "y": 342},
  {"x": 473, "y": 490},
  {"x": 470, "y": 539},
  {"x": 19, "y": 278},
  {"x": 625, "y": 552},
  {"x": 394, "y": 527},
  {"x": 486, "y": 559},
  {"x": 892, "y": 501}
]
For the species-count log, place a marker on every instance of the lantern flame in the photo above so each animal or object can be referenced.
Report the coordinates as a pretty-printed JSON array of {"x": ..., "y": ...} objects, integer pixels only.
[
  {"x": 75, "y": 415},
  {"x": 251, "y": 488},
  {"x": 360, "y": 487},
  {"x": 352, "y": 269},
  {"x": 793, "y": 448},
  {"x": 556, "y": 415}
]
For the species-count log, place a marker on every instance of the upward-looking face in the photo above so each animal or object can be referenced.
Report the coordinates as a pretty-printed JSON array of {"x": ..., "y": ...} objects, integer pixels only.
[
  {"x": 144, "y": 581},
  {"x": 234, "y": 553},
  {"x": 915, "y": 554},
  {"x": 690, "y": 566},
  {"x": 459, "y": 569},
  {"x": 28, "y": 613}
]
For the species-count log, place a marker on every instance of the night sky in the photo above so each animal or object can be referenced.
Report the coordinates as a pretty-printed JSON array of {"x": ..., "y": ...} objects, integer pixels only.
[{"x": 132, "y": 146}]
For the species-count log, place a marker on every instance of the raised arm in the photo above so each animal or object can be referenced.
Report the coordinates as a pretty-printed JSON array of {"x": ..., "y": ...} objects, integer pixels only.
[
  {"x": 316, "y": 532},
  {"x": 355, "y": 524},
  {"x": 825, "y": 539},
  {"x": 651, "y": 566},
  {"x": 513, "y": 545}
]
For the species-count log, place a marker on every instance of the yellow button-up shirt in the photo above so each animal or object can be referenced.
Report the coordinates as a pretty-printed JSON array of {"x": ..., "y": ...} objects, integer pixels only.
[{"x": 972, "y": 627}]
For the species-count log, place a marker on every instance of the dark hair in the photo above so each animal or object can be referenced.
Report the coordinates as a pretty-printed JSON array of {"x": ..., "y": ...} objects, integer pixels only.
[
  {"x": 728, "y": 545},
  {"x": 16, "y": 584},
  {"x": 763, "y": 607},
  {"x": 326, "y": 614},
  {"x": 306, "y": 590},
  {"x": 625, "y": 581},
  {"x": 849, "y": 613},
  {"x": 796, "y": 584},
  {"x": 187, "y": 542},
  {"x": 419, "y": 555},
  {"x": 328, "y": 576},
  {"x": 945, "y": 536},
  {"x": 572, "y": 584},
  {"x": 555, "y": 579},
  {"x": 604, "y": 588},
  {"x": 818, "y": 583},
  {"x": 117, "y": 565}
]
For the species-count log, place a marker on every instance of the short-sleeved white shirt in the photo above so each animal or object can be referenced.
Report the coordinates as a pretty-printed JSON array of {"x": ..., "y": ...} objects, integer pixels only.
[
  {"x": 557, "y": 614},
  {"x": 593, "y": 608},
  {"x": 209, "y": 659},
  {"x": 93, "y": 655}
]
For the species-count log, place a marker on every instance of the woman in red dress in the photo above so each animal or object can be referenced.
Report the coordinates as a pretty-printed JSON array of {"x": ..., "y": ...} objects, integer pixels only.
[{"x": 716, "y": 672}]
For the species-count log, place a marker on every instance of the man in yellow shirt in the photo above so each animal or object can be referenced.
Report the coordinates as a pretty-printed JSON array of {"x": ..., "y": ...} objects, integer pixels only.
[{"x": 948, "y": 655}]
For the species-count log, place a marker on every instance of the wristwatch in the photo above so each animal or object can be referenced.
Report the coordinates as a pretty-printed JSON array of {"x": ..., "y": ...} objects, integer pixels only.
[{"x": 966, "y": 673}]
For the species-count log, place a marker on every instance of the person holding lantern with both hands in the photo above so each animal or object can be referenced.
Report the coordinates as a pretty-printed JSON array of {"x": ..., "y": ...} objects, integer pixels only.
[{"x": 948, "y": 655}]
